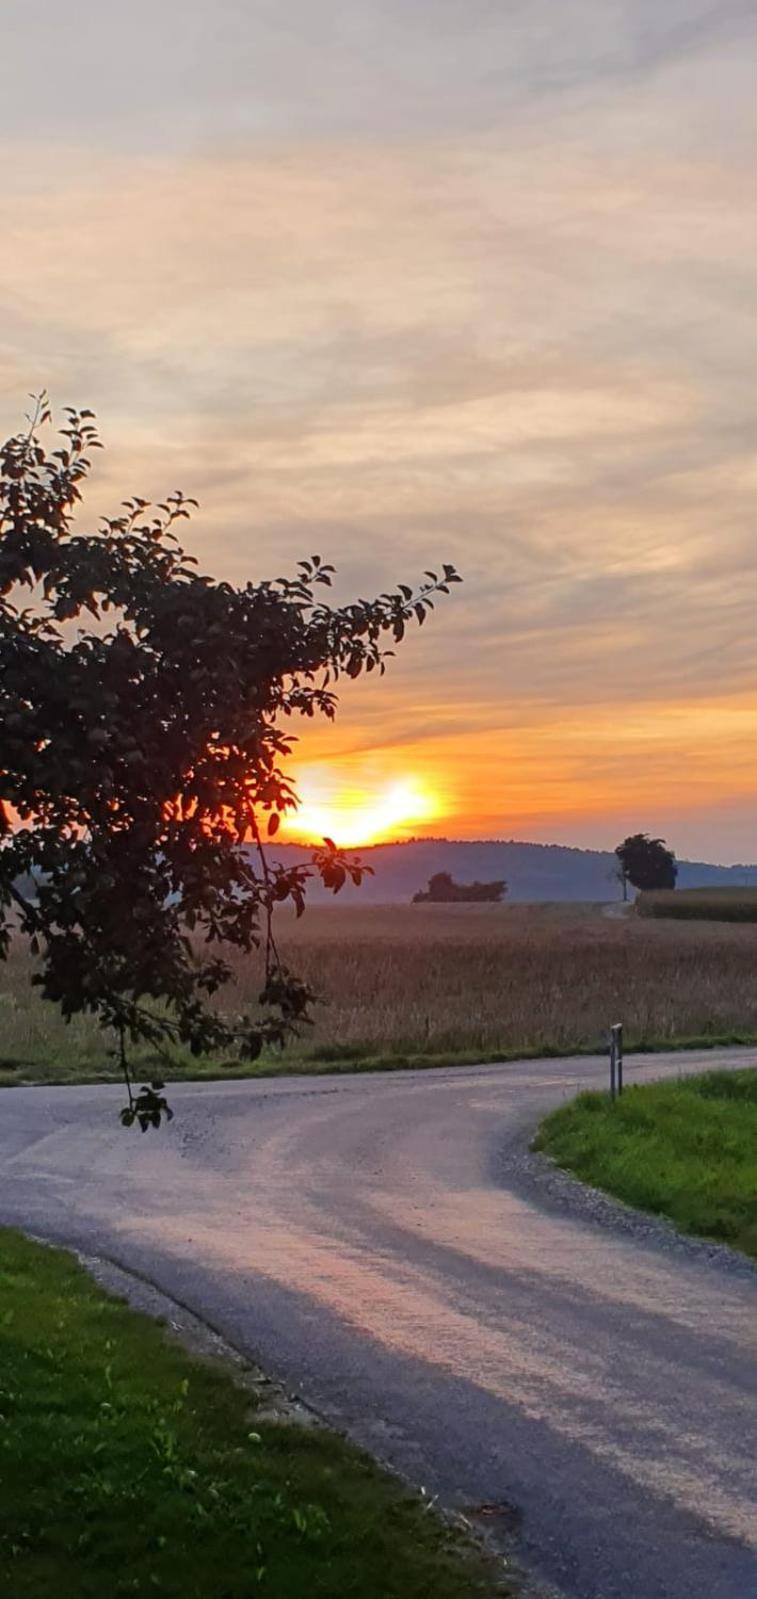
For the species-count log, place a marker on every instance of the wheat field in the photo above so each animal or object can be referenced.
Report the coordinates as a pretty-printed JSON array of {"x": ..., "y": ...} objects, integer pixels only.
[{"x": 448, "y": 980}]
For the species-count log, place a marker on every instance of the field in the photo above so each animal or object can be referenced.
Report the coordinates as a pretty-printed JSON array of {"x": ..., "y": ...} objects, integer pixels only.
[
  {"x": 127, "y": 1467},
  {"x": 451, "y": 982},
  {"x": 685, "y": 1149},
  {"x": 701, "y": 904}
]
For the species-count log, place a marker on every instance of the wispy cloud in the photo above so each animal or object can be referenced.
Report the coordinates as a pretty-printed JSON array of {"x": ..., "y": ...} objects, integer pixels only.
[{"x": 189, "y": 72}]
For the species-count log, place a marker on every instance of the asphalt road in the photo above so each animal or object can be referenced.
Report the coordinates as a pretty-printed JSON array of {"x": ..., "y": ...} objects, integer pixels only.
[{"x": 383, "y": 1245}]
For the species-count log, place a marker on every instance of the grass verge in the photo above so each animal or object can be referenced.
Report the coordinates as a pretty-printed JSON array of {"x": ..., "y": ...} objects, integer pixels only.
[
  {"x": 686, "y": 1149},
  {"x": 128, "y": 1467},
  {"x": 328, "y": 1060}
]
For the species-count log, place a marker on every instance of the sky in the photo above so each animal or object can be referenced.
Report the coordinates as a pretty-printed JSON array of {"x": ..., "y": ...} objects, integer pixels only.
[{"x": 404, "y": 283}]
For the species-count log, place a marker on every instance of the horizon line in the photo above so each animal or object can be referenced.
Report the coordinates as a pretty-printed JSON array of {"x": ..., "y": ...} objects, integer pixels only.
[{"x": 523, "y": 843}]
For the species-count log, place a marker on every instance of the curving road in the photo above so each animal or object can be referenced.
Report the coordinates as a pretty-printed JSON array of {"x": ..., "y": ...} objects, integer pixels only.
[{"x": 383, "y": 1245}]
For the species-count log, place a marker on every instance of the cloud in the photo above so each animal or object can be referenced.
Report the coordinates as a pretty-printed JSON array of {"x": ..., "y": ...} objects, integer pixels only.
[
  {"x": 524, "y": 341},
  {"x": 188, "y": 72}
]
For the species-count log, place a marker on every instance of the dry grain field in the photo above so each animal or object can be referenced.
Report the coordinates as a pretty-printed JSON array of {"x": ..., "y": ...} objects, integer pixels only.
[{"x": 458, "y": 980}]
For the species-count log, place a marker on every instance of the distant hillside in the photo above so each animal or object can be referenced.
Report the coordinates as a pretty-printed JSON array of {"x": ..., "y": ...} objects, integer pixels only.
[{"x": 532, "y": 871}]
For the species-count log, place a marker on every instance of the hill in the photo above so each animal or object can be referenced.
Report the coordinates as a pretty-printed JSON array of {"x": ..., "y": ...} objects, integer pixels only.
[{"x": 535, "y": 872}]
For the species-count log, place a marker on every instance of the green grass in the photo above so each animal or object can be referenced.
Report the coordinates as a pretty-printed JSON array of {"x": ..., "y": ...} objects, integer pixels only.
[
  {"x": 128, "y": 1467},
  {"x": 338, "y": 1060},
  {"x": 686, "y": 1149}
]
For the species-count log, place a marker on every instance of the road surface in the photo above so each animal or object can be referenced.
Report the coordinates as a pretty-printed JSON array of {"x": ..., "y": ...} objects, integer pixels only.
[{"x": 382, "y": 1244}]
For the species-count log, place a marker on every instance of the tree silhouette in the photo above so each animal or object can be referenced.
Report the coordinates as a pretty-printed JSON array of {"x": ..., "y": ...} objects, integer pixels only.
[
  {"x": 646, "y": 863},
  {"x": 141, "y": 756},
  {"x": 443, "y": 890}
]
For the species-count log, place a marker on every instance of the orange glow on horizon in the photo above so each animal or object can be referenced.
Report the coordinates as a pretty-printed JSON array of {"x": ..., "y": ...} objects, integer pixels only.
[{"x": 357, "y": 816}]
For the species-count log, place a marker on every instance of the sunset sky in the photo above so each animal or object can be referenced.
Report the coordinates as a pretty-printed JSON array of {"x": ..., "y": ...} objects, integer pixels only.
[{"x": 411, "y": 281}]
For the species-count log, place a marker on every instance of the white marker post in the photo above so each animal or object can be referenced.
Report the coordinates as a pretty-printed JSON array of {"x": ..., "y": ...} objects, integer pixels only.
[{"x": 616, "y": 1059}]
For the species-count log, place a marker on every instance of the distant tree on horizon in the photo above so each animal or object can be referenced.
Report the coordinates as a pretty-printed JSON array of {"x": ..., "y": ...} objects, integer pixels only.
[
  {"x": 645, "y": 863},
  {"x": 142, "y": 752},
  {"x": 442, "y": 890}
]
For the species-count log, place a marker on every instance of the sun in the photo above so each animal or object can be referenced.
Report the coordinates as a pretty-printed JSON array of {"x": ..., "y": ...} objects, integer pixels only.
[{"x": 354, "y": 816}]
